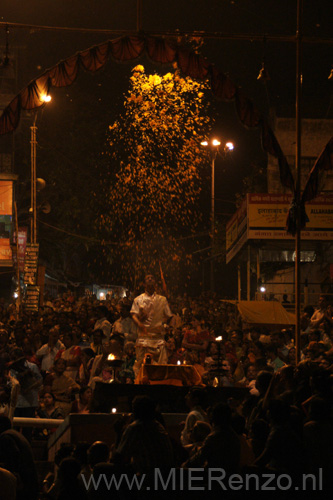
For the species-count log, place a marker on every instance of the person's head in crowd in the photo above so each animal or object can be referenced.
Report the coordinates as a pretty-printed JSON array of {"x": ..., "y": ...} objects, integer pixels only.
[
  {"x": 309, "y": 310},
  {"x": 129, "y": 349},
  {"x": 263, "y": 380},
  {"x": 3, "y": 338},
  {"x": 68, "y": 339},
  {"x": 144, "y": 408},
  {"x": 322, "y": 302},
  {"x": 19, "y": 335},
  {"x": 54, "y": 335},
  {"x": 200, "y": 431},
  {"x": 17, "y": 355},
  {"x": 170, "y": 343},
  {"x": 314, "y": 336},
  {"x": 86, "y": 354},
  {"x": 77, "y": 334},
  {"x": 250, "y": 371},
  {"x": 85, "y": 395},
  {"x": 116, "y": 346},
  {"x": 227, "y": 367},
  {"x": 98, "y": 336},
  {"x": 312, "y": 351},
  {"x": 97, "y": 453},
  {"x": 221, "y": 415},
  {"x": 254, "y": 334},
  {"x": 291, "y": 356},
  {"x": 101, "y": 312},
  {"x": 236, "y": 337},
  {"x": 125, "y": 309},
  {"x": 27, "y": 347},
  {"x": 321, "y": 382},
  {"x": 48, "y": 400},
  {"x": 80, "y": 452},
  {"x": 59, "y": 366},
  {"x": 149, "y": 284},
  {"x": 305, "y": 321},
  {"x": 62, "y": 318},
  {"x": 324, "y": 361},
  {"x": 69, "y": 469},
  {"x": 258, "y": 350},
  {"x": 196, "y": 396},
  {"x": 5, "y": 423},
  {"x": 279, "y": 338},
  {"x": 272, "y": 351}
]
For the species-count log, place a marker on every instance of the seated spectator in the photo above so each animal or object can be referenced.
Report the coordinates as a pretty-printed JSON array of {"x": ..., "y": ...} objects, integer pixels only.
[
  {"x": 198, "y": 434},
  {"x": 195, "y": 399},
  {"x": 47, "y": 353},
  {"x": 16, "y": 457},
  {"x": 318, "y": 436},
  {"x": 69, "y": 486},
  {"x": 283, "y": 449},
  {"x": 30, "y": 380},
  {"x": 62, "y": 386},
  {"x": 126, "y": 370},
  {"x": 258, "y": 436},
  {"x": 125, "y": 325},
  {"x": 221, "y": 448},
  {"x": 8, "y": 484},
  {"x": 71, "y": 354},
  {"x": 145, "y": 442},
  {"x": 87, "y": 359},
  {"x": 47, "y": 408},
  {"x": 97, "y": 343},
  {"x": 9, "y": 391},
  {"x": 197, "y": 338},
  {"x": 246, "y": 453},
  {"x": 102, "y": 323},
  {"x": 273, "y": 360},
  {"x": 82, "y": 405}
]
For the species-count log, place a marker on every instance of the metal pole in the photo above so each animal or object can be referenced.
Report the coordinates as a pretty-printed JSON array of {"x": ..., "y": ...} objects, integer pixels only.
[
  {"x": 239, "y": 282},
  {"x": 139, "y": 15},
  {"x": 298, "y": 178},
  {"x": 212, "y": 215},
  {"x": 248, "y": 269},
  {"x": 33, "y": 221},
  {"x": 19, "y": 298}
]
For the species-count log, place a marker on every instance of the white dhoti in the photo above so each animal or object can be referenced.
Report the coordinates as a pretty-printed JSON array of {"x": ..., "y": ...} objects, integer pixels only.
[{"x": 156, "y": 347}]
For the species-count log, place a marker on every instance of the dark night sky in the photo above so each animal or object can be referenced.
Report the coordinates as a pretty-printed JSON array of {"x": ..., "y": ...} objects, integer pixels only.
[{"x": 241, "y": 59}]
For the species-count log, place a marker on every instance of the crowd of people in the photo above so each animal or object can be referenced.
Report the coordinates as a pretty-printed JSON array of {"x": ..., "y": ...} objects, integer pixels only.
[{"x": 50, "y": 362}]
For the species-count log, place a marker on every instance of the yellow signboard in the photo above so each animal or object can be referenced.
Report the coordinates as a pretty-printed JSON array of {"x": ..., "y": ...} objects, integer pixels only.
[
  {"x": 267, "y": 215},
  {"x": 6, "y": 210},
  {"x": 264, "y": 216}
]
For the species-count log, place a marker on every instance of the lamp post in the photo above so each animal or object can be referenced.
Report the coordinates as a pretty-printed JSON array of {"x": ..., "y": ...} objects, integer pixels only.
[
  {"x": 214, "y": 145},
  {"x": 33, "y": 145}
]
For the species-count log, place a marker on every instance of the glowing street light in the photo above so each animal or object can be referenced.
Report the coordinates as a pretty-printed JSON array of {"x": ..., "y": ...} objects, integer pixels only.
[
  {"x": 214, "y": 146},
  {"x": 45, "y": 98}
]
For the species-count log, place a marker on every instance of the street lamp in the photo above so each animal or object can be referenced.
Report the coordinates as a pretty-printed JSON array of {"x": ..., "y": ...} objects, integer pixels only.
[
  {"x": 214, "y": 146},
  {"x": 33, "y": 142}
]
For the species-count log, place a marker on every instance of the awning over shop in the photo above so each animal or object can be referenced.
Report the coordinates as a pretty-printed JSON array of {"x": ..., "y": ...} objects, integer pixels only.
[{"x": 264, "y": 313}]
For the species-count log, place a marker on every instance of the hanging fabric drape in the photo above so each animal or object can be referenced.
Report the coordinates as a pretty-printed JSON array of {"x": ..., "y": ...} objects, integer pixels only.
[{"x": 161, "y": 51}]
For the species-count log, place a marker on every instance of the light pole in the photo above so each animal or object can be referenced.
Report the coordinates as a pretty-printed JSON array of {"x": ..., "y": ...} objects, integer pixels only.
[
  {"x": 33, "y": 145},
  {"x": 214, "y": 145}
]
